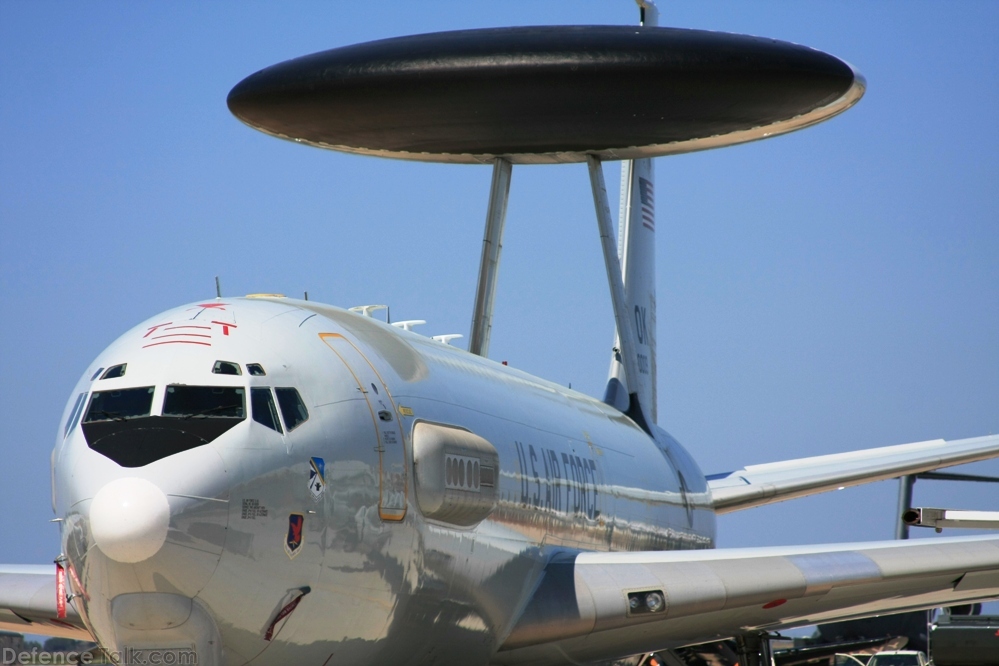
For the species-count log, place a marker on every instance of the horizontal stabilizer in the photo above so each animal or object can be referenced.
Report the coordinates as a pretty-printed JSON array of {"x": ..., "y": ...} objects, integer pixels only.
[
  {"x": 756, "y": 485},
  {"x": 941, "y": 518},
  {"x": 595, "y": 606},
  {"x": 28, "y": 603}
]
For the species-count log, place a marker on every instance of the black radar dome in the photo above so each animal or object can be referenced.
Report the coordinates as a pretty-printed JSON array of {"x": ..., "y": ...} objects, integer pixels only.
[{"x": 546, "y": 94}]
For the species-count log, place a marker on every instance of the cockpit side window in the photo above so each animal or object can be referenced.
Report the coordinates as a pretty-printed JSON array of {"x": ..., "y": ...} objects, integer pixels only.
[
  {"x": 255, "y": 369},
  {"x": 75, "y": 414},
  {"x": 292, "y": 408},
  {"x": 115, "y": 371},
  {"x": 205, "y": 401},
  {"x": 264, "y": 411},
  {"x": 226, "y": 368},
  {"x": 119, "y": 405}
]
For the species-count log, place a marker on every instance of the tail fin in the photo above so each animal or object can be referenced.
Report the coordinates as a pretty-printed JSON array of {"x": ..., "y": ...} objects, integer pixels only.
[
  {"x": 637, "y": 250},
  {"x": 636, "y": 242}
]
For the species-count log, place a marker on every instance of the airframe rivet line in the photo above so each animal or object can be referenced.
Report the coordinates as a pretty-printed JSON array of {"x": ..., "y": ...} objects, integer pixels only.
[
  {"x": 492, "y": 245},
  {"x": 614, "y": 275}
]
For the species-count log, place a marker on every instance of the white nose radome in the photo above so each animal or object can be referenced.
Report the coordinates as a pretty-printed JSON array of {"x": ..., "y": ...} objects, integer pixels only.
[{"x": 129, "y": 519}]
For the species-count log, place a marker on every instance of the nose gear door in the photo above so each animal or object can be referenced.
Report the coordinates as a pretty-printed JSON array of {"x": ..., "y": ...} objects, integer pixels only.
[{"x": 385, "y": 420}]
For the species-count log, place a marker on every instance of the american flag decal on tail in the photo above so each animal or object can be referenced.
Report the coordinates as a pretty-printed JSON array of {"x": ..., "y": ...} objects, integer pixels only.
[{"x": 645, "y": 191}]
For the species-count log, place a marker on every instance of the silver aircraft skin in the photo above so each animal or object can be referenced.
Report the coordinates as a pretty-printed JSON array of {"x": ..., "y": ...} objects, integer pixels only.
[{"x": 386, "y": 583}]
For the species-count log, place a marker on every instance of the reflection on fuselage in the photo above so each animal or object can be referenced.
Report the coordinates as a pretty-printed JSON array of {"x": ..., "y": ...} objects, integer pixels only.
[{"x": 313, "y": 505}]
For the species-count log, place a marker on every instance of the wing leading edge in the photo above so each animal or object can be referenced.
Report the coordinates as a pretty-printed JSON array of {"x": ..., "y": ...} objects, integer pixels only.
[
  {"x": 756, "y": 485},
  {"x": 28, "y": 603},
  {"x": 580, "y": 610}
]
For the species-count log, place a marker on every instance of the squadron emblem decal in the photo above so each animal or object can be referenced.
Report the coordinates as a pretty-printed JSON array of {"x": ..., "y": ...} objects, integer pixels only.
[
  {"x": 293, "y": 540},
  {"x": 317, "y": 478}
]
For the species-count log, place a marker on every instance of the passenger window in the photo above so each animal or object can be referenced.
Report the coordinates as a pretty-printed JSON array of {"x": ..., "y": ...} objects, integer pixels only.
[
  {"x": 75, "y": 414},
  {"x": 115, "y": 371},
  {"x": 255, "y": 369},
  {"x": 120, "y": 405},
  {"x": 292, "y": 408},
  {"x": 262, "y": 406},
  {"x": 226, "y": 368},
  {"x": 205, "y": 402}
]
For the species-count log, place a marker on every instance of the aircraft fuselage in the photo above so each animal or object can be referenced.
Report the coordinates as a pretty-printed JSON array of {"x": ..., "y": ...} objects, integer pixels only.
[{"x": 408, "y": 497}]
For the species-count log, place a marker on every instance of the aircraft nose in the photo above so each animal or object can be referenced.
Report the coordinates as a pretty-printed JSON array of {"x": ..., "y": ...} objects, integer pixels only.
[{"x": 129, "y": 519}]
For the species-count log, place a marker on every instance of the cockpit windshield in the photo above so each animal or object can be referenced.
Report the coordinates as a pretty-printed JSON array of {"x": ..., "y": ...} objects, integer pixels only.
[
  {"x": 120, "y": 404},
  {"x": 205, "y": 402}
]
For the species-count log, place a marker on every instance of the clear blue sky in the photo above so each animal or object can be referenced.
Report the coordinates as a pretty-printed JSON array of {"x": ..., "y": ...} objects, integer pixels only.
[{"x": 833, "y": 289}]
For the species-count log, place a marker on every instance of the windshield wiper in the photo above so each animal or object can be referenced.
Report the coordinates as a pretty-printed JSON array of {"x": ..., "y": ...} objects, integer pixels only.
[
  {"x": 110, "y": 416},
  {"x": 209, "y": 410}
]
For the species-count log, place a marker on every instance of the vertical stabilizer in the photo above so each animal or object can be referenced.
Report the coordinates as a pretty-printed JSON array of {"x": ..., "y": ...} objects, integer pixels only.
[{"x": 636, "y": 242}]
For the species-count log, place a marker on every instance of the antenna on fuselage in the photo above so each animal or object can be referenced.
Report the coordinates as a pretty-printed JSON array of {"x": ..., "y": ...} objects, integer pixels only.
[
  {"x": 409, "y": 324},
  {"x": 218, "y": 288},
  {"x": 366, "y": 310}
]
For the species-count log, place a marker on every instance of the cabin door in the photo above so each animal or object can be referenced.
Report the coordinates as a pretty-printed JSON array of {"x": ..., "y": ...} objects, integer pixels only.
[{"x": 385, "y": 421}]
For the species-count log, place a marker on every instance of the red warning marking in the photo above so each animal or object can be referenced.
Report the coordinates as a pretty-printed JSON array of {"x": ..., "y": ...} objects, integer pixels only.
[
  {"x": 153, "y": 328},
  {"x": 174, "y": 328},
  {"x": 774, "y": 604},
  {"x": 181, "y": 335},
  {"x": 225, "y": 326},
  {"x": 285, "y": 612},
  {"x": 178, "y": 342},
  {"x": 60, "y": 592},
  {"x": 217, "y": 306},
  {"x": 76, "y": 581}
]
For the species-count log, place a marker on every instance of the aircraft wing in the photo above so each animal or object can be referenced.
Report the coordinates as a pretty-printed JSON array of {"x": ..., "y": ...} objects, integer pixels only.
[
  {"x": 756, "y": 485},
  {"x": 28, "y": 603},
  {"x": 581, "y": 613}
]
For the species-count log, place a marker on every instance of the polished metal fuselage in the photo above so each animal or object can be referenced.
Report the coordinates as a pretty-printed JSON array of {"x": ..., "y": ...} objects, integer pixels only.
[{"x": 382, "y": 583}]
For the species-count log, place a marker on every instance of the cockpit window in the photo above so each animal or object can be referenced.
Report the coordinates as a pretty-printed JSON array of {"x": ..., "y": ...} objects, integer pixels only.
[
  {"x": 115, "y": 371},
  {"x": 205, "y": 402},
  {"x": 119, "y": 405},
  {"x": 226, "y": 368},
  {"x": 255, "y": 369},
  {"x": 75, "y": 414},
  {"x": 264, "y": 411},
  {"x": 292, "y": 408},
  {"x": 96, "y": 374}
]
